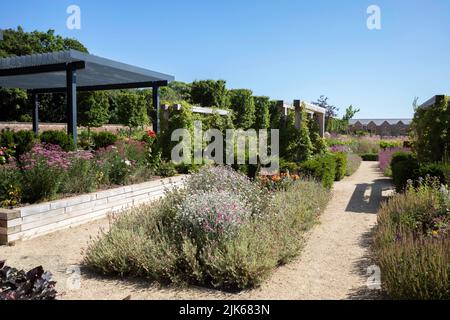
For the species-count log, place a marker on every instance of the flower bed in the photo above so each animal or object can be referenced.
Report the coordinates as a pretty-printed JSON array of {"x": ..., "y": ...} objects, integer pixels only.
[
  {"x": 46, "y": 171},
  {"x": 221, "y": 231}
]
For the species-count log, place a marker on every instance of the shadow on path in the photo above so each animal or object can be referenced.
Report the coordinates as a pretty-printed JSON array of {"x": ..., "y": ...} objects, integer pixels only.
[
  {"x": 361, "y": 266},
  {"x": 367, "y": 197}
]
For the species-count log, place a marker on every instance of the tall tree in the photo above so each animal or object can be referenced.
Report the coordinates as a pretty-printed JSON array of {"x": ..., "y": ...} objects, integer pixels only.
[
  {"x": 210, "y": 93},
  {"x": 132, "y": 109},
  {"x": 93, "y": 109},
  {"x": 331, "y": 110},
  {"x": 262, "y": 112},
  {"x": 243, "y": 105},
  {"x": 18, "y": 42},
  {"x": 350, "y": 113}
]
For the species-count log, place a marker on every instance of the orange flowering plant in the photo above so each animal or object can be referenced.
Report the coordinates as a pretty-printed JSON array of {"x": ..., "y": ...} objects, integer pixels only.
[{"x": 279, "y": 181}]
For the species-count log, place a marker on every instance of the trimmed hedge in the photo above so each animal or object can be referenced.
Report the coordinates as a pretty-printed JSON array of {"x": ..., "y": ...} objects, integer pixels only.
[
  {"x": 322, "y": 169},
  {"x": 341, "y": 165},
  {"x": 22, "y": 140},
  {"x": 58, "y": 138},
  {"x": 369, "y": 157},
  {"x": 103, "y": 139},
  {"x": 405, "y": 166}
]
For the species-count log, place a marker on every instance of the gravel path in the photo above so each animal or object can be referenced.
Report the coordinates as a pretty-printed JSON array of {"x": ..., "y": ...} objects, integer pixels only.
[{"x": 332, "y": 265}]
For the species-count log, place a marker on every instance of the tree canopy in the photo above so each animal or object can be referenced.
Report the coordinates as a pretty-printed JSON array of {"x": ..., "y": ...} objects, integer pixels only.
[{"x": 14, "y": 103}]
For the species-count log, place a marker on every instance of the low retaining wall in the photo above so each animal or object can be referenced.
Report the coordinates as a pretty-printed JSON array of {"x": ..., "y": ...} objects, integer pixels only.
[
  {"x": 36, "y": 220},
  {"x": 17, "y": 126}
]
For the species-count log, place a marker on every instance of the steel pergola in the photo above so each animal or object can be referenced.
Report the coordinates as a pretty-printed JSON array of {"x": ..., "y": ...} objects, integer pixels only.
[{"x": 72, "y": 71}]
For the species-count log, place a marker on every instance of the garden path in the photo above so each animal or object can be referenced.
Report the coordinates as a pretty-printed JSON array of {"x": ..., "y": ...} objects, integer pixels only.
[{"x": 333, "y": 263}]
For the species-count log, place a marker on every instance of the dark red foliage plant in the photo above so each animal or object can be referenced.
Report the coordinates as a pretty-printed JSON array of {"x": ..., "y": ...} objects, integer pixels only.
[{"x": 20, "y": 285}]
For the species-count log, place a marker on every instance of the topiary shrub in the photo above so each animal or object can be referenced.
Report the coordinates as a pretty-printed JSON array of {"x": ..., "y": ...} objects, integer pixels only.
[
  {"x": 58, "y": 138},
  {"x": 341, "y": 165},
  {"x": 24, "y": 141},
  {"x": 404, "y": 167},
  {"x": 323, "y": 169},
  {"x": 103, "y": 139},
  {"x": 369, "y": 157}
]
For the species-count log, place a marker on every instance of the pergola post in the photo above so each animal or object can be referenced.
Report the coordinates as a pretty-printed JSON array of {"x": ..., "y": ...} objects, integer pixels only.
[
  {"x": 71, "y": 89},
  {"x": 321, "y": 119},
  {"x": 35, "y": 112},
  {"x": 298, "y": 114},
  {"x": 156, "y": 105}
]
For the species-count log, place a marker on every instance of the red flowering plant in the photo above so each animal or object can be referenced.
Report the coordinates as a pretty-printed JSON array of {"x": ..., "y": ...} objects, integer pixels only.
[{"x": 149, "y": 137}]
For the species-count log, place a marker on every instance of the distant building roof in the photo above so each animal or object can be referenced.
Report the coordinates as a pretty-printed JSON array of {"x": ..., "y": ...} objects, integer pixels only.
[{"x": 379, "y": 122}]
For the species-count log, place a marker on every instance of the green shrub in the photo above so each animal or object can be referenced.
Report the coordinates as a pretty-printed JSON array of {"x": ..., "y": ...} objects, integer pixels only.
[
  {"x": 404, "y": 167},
  {"x": 58, "y": 138},
  {"x": 21, "y": 141},
  {"x": 115, "y": 170},
  {"x": 323, "y": 169},
  {"x": 41, "y": 182},
  {"x": 154, "y": 241},
  {"x": 103, "y": 139},
  {"x": 167, "y": 169},
  {"x": 389, "y": 144},
  {"x": 430, "y": 129},
  {"x": 7, "y": 138},
  {"x": 24, "y": 141},
  {"x": 341, "y": 165},
  {"x": 243, "y": 105},
  {"x": 353, "y": 163},
  {"x": 365, "y": 145},
  {"x": 81, "y": 177},
  {"x": 369, "y": 157},
  {"x": 412, "y": 244},
  {"x": 437, "y": 170},
  {"x": 291, "y": 167}
]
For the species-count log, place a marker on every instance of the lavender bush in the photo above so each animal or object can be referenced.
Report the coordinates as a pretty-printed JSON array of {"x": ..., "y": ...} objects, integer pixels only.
[{"x": 385, "y": 157}]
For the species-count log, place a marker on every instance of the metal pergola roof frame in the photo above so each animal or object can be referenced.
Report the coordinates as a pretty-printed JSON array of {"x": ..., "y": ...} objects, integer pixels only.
[{"x": 72, "y": 71}]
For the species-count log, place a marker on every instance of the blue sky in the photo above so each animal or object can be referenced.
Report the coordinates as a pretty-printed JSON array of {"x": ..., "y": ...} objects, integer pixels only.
[{"x": 285, "y": 49}]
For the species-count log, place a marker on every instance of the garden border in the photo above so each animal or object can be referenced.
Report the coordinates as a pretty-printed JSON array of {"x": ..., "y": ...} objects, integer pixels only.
[{"x": 36, "y": 220}]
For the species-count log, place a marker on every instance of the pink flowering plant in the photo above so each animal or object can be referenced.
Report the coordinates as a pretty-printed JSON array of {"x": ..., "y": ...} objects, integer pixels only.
[
  {"x": 385, "y": 157},
  {"x": 48, "y": 170},
  {"x": 212, "y": 215},
  {"x": 221, "y": 179}
]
